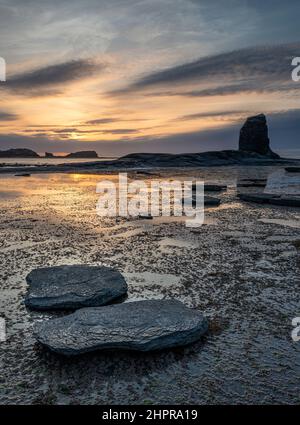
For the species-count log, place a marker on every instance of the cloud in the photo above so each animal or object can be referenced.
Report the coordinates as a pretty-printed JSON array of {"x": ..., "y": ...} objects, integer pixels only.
[
  {"x": 69, "y": 132},
  {"x": 120, "y": 131},
  {"x": 6, "y": 116},
  {"x": 113, "y": 120},
  {"x": 102, "y": 121},
  {"x": 106, "y": 131},
  {"x": 224, "y": 90},
  {"x": 216, "y": 114},
  {"x": 65, "y": 130},
  {"x": 49, "y": 79},
  {"x": 263, "y": 68}
]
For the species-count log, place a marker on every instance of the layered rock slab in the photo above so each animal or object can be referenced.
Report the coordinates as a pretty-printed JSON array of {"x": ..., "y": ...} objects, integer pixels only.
[
  {"x": 141, "y": 326},
  {"x": 272, "y": 199},
  {"x": 73, "y": 287}
]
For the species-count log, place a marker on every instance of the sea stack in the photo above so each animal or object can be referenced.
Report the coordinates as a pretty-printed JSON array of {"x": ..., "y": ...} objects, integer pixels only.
[{"x": 254, "y": 137}]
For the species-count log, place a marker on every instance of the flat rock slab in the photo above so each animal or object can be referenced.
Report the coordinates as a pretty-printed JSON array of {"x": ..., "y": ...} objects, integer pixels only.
[
  {"x": 141, "y": 326},
  {"x": 252, "y": 183},
  {"x": 212, "y": 187},
  {"x": 286, "y": 201},
  {"x": 72, "y": 287},
  {"x": 210, "y": 201},
  {"x": 293, "y": 169},
  {"x": 145, "y": 217},
  {"x": 264, "y": 198}
]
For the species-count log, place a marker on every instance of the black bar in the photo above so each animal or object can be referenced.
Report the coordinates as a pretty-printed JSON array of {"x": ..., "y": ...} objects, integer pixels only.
[{"x": 149, "y": 414}]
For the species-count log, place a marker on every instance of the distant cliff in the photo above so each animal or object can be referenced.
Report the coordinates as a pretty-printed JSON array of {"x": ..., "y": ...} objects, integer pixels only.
[
  {"x": 82, "y": 154},
  {"x": 18, "y": 153}
]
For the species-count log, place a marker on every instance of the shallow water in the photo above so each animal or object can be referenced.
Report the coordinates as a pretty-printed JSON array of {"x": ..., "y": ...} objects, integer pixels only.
[
  {"x": 241, "y": 269},
  {"x": 283, "y": 183}
]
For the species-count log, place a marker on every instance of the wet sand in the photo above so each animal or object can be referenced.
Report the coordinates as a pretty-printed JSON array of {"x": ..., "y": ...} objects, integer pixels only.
[{"x": 241, "y": 269}]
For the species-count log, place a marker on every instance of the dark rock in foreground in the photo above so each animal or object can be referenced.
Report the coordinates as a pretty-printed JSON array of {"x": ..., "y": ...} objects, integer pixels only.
[
  {"x": 260, "y": 198},
  {"x": 264, "y": 198},
  {"x": 72, "y": 287},
  {"x": 210, "y": 201},
  {"x": 293, "y": 169},
  {"x": 23, "y": 175},
  {"x": 252, "y": 183},
  {"x": 19, "y": 153},
  {"x": 141, "y": 326},
  {"x": 254, "y": 137},
  {"x": 212, "y": 187},
  {"x": 287, "y": 201},
  {"x": 145, "y": 217}
]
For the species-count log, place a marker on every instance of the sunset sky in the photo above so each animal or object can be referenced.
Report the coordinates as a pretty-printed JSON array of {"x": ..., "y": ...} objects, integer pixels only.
[{"x": 120, "y": 76}]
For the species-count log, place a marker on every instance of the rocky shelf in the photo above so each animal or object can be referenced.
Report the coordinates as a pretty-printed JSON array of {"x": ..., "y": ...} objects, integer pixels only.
[{"x": 264, "y": 198}]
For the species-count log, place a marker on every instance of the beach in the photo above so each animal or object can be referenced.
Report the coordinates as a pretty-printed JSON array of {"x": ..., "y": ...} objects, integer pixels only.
[{"x": 240, "y": 269}]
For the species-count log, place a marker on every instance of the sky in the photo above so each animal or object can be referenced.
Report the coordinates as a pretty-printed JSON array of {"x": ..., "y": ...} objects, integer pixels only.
[{"x": 121, "y": 76}]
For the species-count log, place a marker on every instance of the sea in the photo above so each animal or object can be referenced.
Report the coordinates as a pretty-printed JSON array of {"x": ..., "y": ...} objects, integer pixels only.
[{"x": 47, "y": 161}]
